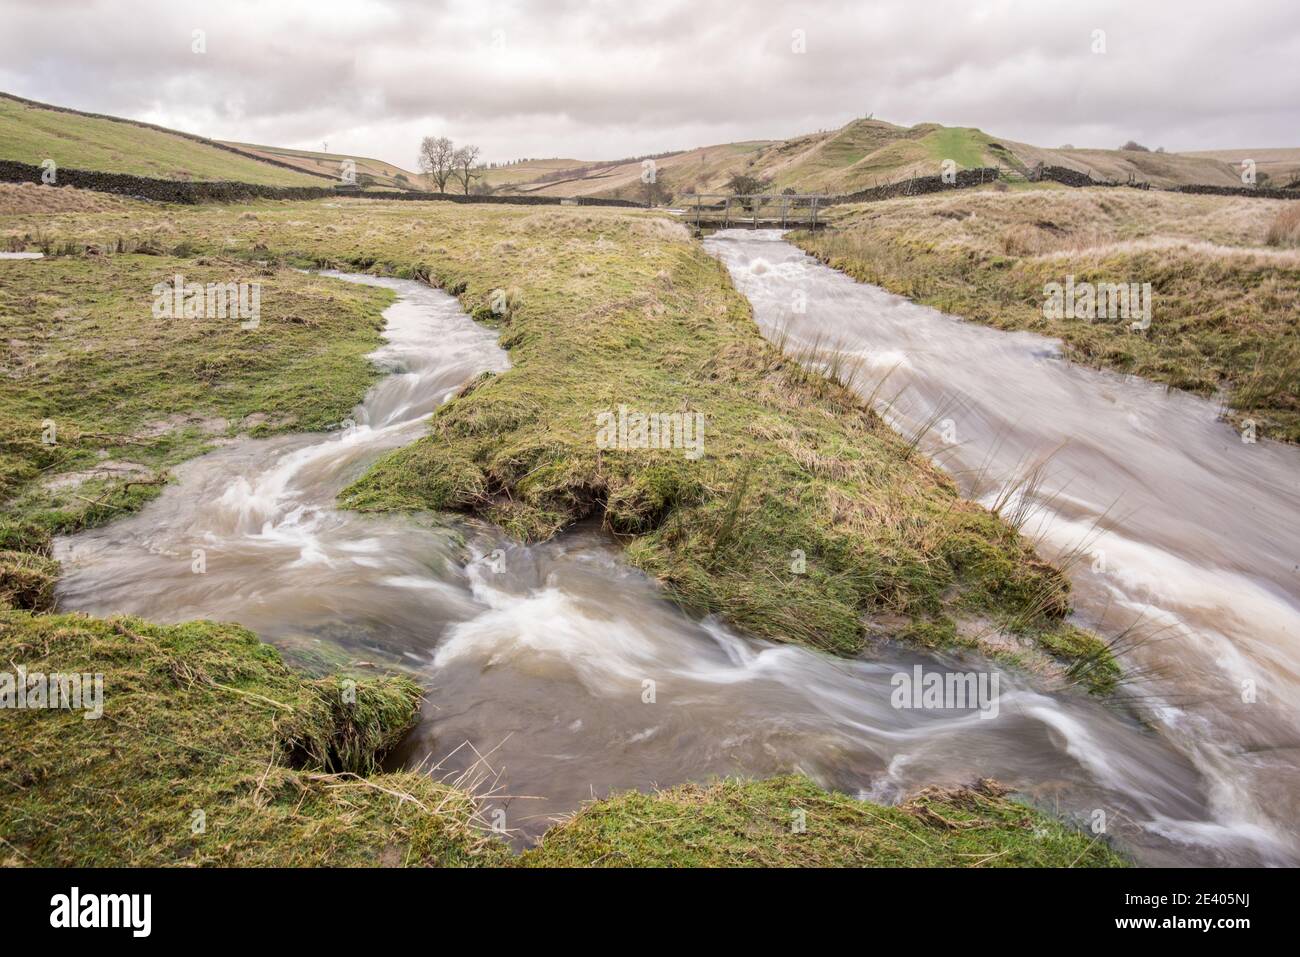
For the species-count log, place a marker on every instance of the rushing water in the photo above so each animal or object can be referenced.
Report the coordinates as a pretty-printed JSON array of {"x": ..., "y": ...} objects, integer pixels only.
[
  {"x": 538, "y": 658},
  {"x": 1190, "y": 536}
]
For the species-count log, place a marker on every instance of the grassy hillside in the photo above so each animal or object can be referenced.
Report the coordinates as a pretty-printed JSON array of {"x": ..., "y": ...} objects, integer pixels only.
[
  {"x": 31, "y": 133},
  {"x": 1226, "y": 296},
  {"x": 369, "y": 171},
  {"x": 534, "y": 171},
  {"x": 1163, "y": 170},
  {"x": 1282, "y": 166},
  {"x": 870, "y": 152},
  {"x": 861, "y": 154}
]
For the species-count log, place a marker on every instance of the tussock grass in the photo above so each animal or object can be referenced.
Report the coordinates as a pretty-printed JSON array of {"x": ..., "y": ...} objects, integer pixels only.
[
  {"x": 19, "y": 198},
  {"x": 1285, "y": 228},
  {"x": 27, "y": 580},
  {"x": 205, "y": 718},
  {"x": 1226, "y": 311}
]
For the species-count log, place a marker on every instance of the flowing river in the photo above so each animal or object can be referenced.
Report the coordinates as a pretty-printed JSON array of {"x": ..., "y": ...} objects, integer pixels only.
[
  {"x": 557, "y": 673},
  {"x": 1189, "y": 536}
]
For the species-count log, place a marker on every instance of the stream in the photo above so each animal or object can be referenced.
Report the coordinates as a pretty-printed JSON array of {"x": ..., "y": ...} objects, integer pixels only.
[
  {"x": 537, "y": 659},
  {"x": 1189, "y": 536}
]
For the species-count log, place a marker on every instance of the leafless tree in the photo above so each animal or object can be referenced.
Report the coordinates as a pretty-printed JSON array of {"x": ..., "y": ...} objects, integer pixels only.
[
  {"x": 437, "y": 160},
  {"x": 464, "y": 164}
]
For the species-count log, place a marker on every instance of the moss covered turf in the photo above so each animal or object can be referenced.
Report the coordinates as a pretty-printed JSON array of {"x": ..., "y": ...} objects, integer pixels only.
[
  {"x": 598, "y": 309},
  {"x": 211, "y": 751},
  {"x": 790, "y": 822}
]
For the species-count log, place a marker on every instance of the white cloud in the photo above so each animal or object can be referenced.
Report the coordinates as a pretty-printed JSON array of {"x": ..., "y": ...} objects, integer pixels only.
[{"x": 603, "y": 80}]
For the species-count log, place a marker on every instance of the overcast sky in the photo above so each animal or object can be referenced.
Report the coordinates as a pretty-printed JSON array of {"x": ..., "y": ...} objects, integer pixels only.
[{"x": 602, "y": 80}]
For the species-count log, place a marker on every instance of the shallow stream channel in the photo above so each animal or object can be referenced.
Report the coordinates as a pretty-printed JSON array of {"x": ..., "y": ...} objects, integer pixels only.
[{"x": 536, "y": 658}]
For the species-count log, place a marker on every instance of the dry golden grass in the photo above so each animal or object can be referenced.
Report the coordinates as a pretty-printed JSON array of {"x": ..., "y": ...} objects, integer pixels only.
[
  {"x": 1285, "y": 228},
  {"x": 1067, "y": 218},
  {"x": 1225, "y": 274},
  {"x": 22, "y": 198}
]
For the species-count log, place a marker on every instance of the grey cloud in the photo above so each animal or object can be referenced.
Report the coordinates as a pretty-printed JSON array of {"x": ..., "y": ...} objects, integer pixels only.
[{"x": 596, "y": 79}]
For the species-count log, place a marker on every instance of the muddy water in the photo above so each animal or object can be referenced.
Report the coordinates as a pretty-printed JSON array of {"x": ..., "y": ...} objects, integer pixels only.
[
  {"x": 556, "y": 673},
  {"x": 1188, "y": 537}
]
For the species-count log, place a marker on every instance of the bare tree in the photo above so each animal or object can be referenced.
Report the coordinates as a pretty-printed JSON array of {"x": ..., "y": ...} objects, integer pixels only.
[
  {"x": 437, "y": 159},
  {"x": 463, "y": 163}
]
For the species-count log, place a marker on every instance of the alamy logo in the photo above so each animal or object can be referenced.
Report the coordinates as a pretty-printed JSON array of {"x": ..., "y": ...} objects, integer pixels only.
[
  {"x": 1104, "y": 300},
  {"x": 103, "y": 910},
  {"x": 946, "y": 690},
  {"x": 216, "y": 300},
  {"x": 23, "y": 690},
  {"x": 629, "y": 429}
]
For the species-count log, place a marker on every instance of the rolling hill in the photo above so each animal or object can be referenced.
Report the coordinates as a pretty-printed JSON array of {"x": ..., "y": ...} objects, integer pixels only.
[
  {"x": 863, "y": 153},
  {"x": 33, "y": 132},
  {"x": 370, "y": 172},
  {"x": 870, "y": 152},
  {"x": 1282, "y": 166}
]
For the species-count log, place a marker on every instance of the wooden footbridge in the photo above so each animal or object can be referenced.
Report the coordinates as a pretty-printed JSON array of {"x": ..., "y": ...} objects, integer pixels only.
[{"x": 754, "y": 211}]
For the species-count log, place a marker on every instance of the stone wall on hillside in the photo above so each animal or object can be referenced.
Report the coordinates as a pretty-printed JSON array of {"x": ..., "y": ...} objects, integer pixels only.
[
  {"x": 179, "y": 191},
  {"x": 1072, "y": 177},
  {"x": 1259, "y": 191},
  {"x": 917, "y": 186}
]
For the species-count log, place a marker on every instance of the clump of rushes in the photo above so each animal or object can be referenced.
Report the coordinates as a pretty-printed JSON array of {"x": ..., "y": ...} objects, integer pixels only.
[
  {"x": 805, "y": 516},
  {"x": 27, "y": 580},
  {"x": 1285, "y": 228},
  {"x": 1226, "y": 306},
  {"x": 211, "y": 751},
  {"x": 790, "y": 822}
]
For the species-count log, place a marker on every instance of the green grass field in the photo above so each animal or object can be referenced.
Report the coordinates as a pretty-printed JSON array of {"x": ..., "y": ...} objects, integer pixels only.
[
  {"x": 77, "y": 329},
  {"x": 30, "y": 134}
]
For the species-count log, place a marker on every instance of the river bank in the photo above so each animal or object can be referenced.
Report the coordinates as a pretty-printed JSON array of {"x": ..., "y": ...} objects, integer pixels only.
[
  {"x": 382, "y": 728},
  {"x": 1081, "y": 460},
  {"x": 1221, "y": 310},
  {"x": 601, "y": 309}
]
